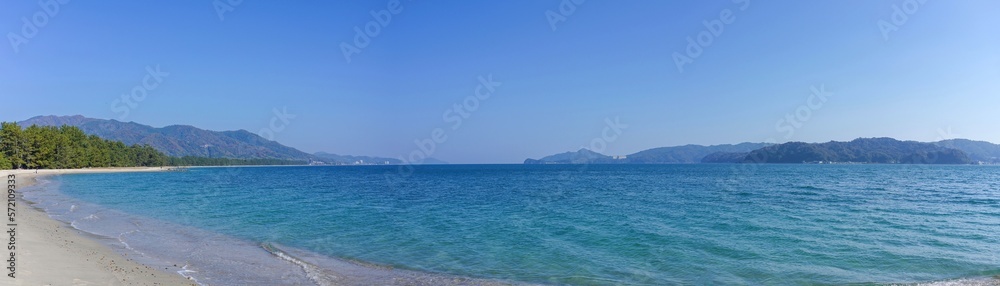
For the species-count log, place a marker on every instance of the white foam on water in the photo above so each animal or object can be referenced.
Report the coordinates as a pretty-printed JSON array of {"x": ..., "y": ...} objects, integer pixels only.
[
  {"x": 972, "y": 281},
  {"x": 121, "y": 238},
  {"x": 350, "y": 272},
  {"x": 186, "y": 273},
  {"x": 314, "y": 273}
]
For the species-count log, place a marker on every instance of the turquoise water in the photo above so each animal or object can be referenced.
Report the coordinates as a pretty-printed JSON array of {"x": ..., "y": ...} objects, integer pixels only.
[{"x": 551, "y": 224}]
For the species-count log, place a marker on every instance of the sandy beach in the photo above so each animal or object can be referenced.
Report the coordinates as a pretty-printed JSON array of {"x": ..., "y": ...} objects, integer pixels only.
[{"x": 49, "y": 252}]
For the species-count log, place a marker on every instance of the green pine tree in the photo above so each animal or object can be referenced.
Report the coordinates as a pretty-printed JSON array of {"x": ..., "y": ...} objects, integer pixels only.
[{"x": 4, "y": 163}]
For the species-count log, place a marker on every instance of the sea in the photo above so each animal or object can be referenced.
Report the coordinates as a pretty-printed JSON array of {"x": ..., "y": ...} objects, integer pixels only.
[{"x": 683, "y": 224}]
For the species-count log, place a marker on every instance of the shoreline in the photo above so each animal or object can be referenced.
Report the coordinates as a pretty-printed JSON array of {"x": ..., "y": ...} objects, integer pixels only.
[{"x": 50, "y": 252}]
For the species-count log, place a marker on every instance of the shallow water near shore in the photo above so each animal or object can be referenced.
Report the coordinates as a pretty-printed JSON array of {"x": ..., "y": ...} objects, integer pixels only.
[{"x": 568, "y": 224}]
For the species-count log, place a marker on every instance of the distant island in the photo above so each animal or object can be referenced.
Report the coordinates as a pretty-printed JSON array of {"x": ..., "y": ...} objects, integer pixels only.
[
  {"x": 368, "y": 160},
  {"x": 662, "y": 155},
  {"x": 861, "y": 150}
]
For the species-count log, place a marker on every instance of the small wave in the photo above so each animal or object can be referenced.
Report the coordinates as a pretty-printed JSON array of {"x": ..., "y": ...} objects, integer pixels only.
[
  {"x": 811, "y": 188},
  {"x": 72, "y": 208},
  {"x": 92, "y": 217},
  {"x": 804, "y": 193},
  {"x": 314, "y": 273},
  {"x": 354, "y": 272},
  {"x": 976, "y": 281},
  {"x": 185, "y": 271},
  {"x": 121, "y": 238},
  {"x": 369, "y": 264}
]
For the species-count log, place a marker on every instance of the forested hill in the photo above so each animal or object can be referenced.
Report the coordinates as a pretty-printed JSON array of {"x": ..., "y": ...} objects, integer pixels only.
[
  {"x": 178, "y": 140},
  {"x": 861, "y": 150},
  {"x": 978, "y": 151}
]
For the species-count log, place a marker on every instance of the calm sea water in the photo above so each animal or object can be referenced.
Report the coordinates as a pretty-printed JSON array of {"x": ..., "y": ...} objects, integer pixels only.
[{"x": 550, "y": 224}]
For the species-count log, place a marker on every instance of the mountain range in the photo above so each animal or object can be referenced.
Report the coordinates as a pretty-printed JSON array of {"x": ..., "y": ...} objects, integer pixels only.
[
  {"x": 861, "y": 150},
  {"x": 185, "y": 140},
  {"x": 178, "y": 140}
]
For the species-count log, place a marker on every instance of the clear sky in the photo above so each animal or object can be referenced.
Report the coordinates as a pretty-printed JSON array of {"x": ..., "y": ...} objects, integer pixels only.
[{"x": 930, "y": 70}]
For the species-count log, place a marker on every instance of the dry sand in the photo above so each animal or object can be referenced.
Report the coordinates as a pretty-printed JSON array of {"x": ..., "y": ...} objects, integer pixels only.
[{"x": 49, "y": 252}]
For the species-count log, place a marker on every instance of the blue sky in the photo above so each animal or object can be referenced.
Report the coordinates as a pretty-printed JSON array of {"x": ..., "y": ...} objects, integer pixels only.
[{"x": 935, "y": 75}]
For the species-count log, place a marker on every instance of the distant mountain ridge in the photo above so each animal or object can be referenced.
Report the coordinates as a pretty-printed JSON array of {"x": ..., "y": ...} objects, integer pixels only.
[
  {"x": 185, "y": 140},
  {"x": 179, "y": 140}
]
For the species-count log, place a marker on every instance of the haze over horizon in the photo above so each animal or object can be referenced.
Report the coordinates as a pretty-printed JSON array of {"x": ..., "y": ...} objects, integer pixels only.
[{"x": 548, "y": 81}]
